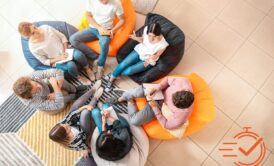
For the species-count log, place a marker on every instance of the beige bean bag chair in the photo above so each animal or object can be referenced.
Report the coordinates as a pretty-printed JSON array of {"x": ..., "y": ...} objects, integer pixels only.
[{"x": 138, "y": 154}]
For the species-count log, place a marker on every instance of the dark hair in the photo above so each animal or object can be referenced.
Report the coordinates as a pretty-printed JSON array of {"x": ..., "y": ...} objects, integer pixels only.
[
  {"x": 154, "y": 28},
  {"x": 183, "y": 99},
  {"x": 22, "y": 87},
  {"x": 110, "y": 148},
  {"x": 59, "y": 134}
]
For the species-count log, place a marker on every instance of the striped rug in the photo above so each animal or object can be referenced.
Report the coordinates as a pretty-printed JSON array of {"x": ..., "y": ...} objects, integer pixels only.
[
  {"x": 13, "y": 114},
  {"x": 15, "y": 152},
  {"x": 35, "y": 134}
]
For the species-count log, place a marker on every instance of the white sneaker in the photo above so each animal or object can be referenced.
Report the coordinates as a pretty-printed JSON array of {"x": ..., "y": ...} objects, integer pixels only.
[
  {"x": 100, "y": 72},
  {"x": 95, "y": 66},
  {"x": 99, "y": 93},
  {"x": 90, "y": 74},
  {"x": 97, "y": 85},
  {"x": 84, "y": 80}
]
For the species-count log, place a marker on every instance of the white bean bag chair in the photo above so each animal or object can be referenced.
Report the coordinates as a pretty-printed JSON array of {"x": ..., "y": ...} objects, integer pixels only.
[{"x": 138, "y": 154}]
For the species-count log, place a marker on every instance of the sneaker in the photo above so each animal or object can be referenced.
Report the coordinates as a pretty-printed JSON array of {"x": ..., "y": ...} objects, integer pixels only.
[
  {"x": 97, "y": 85},
  {"x": 118, "y": 91},
  {"x": 81, "y": 88},
  {"x": 100, "y": 72},
  {"x": 109, "y": 86},
  {"x": 112, "y": 100},
  {"x": 99, "y": 93},
  {"x": 90, "y": 74},
  {"x": 84, "y": 80},
  {"x": 100, "y": 105},
  {"x": 95, "y": 65}
]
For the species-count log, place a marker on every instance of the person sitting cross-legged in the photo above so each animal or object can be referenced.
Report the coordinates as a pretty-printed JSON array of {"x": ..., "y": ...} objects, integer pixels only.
[
  {"x": 178, "y": 97},
  {"x": 75, "y": 130},
  {"x": 46, "y": 90}
]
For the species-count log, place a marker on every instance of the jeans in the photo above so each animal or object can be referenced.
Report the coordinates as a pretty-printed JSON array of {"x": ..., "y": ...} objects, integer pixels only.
[
  {"x": 79, "y": 38},
  {"x": 97, "y": 117},
  {"x": 130, "y": 65},
  {"x": 146, "y": 114},
  {"x": 71, "y": 66}
]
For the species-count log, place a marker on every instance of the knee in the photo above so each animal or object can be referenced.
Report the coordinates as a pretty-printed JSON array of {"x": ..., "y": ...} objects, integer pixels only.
[
  {"x": 73, "y": 39},
  {"x": 95, "y": 112},
  {"x": 135, "y": 121},
  {"x": 71, "y": 66},
  {"x": 78, "y": 55}
]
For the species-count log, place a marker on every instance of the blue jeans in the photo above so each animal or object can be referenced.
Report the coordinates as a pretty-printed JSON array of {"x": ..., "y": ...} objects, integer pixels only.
[
  {"x": 79, "y": 38},
  {"x": 130, "y": 65},
  {"x": 97, "y": 117},
  {"x": 71, "y": 66}
]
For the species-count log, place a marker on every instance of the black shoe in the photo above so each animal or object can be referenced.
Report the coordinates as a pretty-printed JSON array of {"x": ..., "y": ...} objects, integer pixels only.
[
  {"x": 119, "y": 92},
  {"x": 109, "y": 86},
  {"x": 79, "y": 94},
  {"x": 81, "y": 88}
]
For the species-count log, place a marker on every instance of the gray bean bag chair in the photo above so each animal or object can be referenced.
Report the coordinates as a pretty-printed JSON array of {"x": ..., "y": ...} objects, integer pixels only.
[
  {"x": 138, "y": 154},
  {"x": 168, "y": 60},
  {"x": 61, "y": 26}
]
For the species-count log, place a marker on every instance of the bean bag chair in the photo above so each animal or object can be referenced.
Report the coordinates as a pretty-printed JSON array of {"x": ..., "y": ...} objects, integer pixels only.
[
  {"x": 121, "y": 36},
  {"x": 203, "y": 110},
  {"x": 168, "y": 60},
  {"x": 61, "y": 26},
  {"x": 138, "y": 154}
]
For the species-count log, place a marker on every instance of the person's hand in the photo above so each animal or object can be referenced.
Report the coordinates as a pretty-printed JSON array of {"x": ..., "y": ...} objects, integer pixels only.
[
  {"x": 153, "y": 103},
  {"x": 133, "y": 36},
  {"x": 85, "y": 153},
  {"x": 88, "y": 107},
  {"x": 106, "y": 113},
  {"x": 63, "y": 56},
  {"x": 152, "y": 91},
  {"x": 103, "y": 119},
  {"x": 54, "y": 82},
  {"x": 146, "y": 63},
  {"x": 51, "y": 96},
  {"x": 111, "y": 34},
  {"x": 103, "y": 30}
]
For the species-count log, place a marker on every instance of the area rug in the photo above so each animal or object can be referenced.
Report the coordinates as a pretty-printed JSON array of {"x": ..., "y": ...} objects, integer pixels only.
[
  {"x": 13, "y": 114},
  {"x": 15, "y": 152}
]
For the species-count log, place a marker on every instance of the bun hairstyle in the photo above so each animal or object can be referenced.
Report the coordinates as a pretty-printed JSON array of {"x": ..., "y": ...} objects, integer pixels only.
[
  {"x": 154, "y": 28},
  {"x": 110, "y": 148}
]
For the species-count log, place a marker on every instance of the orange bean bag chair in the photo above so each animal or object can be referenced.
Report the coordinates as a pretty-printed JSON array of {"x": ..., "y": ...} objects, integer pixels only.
[
  {"x": 203, "y": 110},
  {"x": 121, "y": 36}
]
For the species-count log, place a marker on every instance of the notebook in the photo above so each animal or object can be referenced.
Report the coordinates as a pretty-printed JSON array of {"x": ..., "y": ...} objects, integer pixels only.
[
  {"x": 158, "y": 95},
  {"x": 112, "y": 113},
  {"x": 69, "y": 58}
]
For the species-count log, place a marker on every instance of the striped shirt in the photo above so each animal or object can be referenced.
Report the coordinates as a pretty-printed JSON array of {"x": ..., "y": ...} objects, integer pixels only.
[
  {"x": 40, "y": 99},
  {"x": 79, "y": 142}
]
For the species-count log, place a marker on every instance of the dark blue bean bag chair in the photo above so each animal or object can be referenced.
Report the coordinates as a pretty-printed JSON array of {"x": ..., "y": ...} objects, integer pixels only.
[
  {"x": 61, "y": 26},
  {"x": 168, "y": 60}
]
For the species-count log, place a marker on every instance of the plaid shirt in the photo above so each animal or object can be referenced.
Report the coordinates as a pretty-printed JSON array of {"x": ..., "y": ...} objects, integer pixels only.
[
  {"x": 79, "y": 142},
  {"x": 40, "y": 100}
]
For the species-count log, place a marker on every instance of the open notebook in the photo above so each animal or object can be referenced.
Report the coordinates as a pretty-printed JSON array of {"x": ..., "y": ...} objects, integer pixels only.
[
  {"x": 158, "y": 95},
  {"x": 69, "y": 58}
]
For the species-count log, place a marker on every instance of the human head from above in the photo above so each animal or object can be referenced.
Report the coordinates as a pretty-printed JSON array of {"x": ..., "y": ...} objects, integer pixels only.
[
  {"x": 183, "y": 99},
  {"x": 154, "y": 32},
  {"x": 62, "y": 134},
  {"x": 104, "y": 1},
  {"x": 24, "y": 87},
  {"x": 27, "y": 29},
  {"x": 108, "y": 147}
]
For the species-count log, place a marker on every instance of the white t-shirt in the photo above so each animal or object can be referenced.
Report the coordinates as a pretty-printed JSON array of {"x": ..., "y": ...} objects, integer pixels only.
[
  {"x": 51, "y": 47},
  {"x": 104, "y": 14},
  {"x": 147, "y": 49}
]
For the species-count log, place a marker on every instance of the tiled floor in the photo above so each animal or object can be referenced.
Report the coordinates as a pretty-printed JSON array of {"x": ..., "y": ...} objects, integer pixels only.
[{"x": 228, "y": 42}]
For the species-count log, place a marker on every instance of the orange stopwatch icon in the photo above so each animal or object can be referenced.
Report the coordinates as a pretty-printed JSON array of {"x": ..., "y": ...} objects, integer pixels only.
[{"x": 258, "y": 145}]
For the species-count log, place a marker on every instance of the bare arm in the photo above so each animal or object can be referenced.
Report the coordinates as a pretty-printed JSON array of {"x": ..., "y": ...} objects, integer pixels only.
[{"x": 119, "y": 24}]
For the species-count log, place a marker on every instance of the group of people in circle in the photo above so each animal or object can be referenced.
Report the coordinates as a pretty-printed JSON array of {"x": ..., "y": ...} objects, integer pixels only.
[{"x": 49, "y": 91}]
